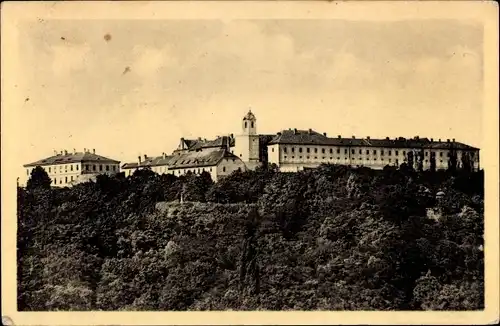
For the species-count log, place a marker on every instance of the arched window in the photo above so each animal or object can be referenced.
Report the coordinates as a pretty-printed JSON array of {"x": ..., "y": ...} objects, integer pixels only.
[
  {"x": 252, "y": 124},
  {"x": 245, "y": 124}
]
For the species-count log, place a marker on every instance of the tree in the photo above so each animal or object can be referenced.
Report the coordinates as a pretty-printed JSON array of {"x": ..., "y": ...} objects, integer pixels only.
[
  {"x": 433, "y": 162},
  {"x": 38, "y": 179}
]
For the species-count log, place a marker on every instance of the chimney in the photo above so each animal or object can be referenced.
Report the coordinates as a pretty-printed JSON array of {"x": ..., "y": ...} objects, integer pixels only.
[
  {"x": 417, "y": 137},
  {"x": 85, "y": 150},
  {"x": 432, "y": 140},
  {"x": 232, "y": 136},
  {"x": 164, "y": 155},
  {"x": 324, "y": 134},
  {"x": 93, "y": 150},
  {"x": 65, "y": 152},
  {"x": 310, "y": 131},
  {"x": 74, "y": 150},
  {"x": 339, "y": 136},
  {"x": 353, "y": 137},
  {"x": 295, "y": 130},
  {"x": 453, "y": 140},
  {"x": 199, "y": 138},
  {"x": 368, "y": 137},
  {"x": 447, "y": 140},
  {"x": 439, "y": 139},
  {"x": 145, "y": 157},
  {"x": 386, "y": 138},
  {"x": 62, "y": 152},
  {"x": 279, "y": 133},
  {"x": 139, "y": 159}
]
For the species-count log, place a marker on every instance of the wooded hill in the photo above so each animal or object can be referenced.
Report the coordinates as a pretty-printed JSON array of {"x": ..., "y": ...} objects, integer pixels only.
[{"x": 332, "y": 238}]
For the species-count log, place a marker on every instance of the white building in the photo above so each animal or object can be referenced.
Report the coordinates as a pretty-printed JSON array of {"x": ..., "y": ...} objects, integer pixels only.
[{"x": 67, "y": 169}]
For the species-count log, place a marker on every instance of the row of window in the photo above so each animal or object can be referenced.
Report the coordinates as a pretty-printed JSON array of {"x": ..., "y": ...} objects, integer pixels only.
[
  {"x": 353, "y": 151},
  {"x": 346, "y": 158},
  {"x": 75, "y": 167},
  {"x": 54, "y": 181},
  {"x": 100, "y": 167}
]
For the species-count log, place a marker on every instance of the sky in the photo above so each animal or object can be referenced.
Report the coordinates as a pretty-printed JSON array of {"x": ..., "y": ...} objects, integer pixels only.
[{"x": 134, "y": 87}]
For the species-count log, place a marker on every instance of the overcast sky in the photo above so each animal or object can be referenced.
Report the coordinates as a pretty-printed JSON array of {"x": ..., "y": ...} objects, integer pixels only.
[{"x": 152, "y": 82}]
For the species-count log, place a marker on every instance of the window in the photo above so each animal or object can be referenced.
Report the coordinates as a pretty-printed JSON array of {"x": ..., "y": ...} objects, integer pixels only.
[
  {"x": 293, "y": 149},
  {"x": 93, "y": 167},
  {"x": 114, "y": 168},
  {"x": 360, "y": 151},
  {"x": 300, "y": 157},
  {"x": 323, "y": 157},
  {"x": 374, "y": 152},
  {"x": 77, "y": 167},
  {"x": 245, "y": 124},
  {"x": 308, "y": 157},
  {"x": 284, "y": 149},
  {"x": 71, "y": 178},
  {"x": 323, "y": 150},
  {"x": 252, "y": 124},
  {"x": 300, "y": 149},
  {"x": 345, "y": 152},
  {"x": 293, "y": 157},
  {"x": 65, "y": 179},
  {"x": 404, "y": 152},
  {"x": 223, "y": 169},
  {"x": 382, "y": 152},
  {"x": 285, "y": 157},
  {"x": 389, "y": 153},
  {"x": 440, "y": 154},
  {"x": 308, "y": 149},
  {"x": 338, "y": 150},
  {"x": 352, "y": 151},
  {"x": 49, "y": 169},
  {"x": 71, "y": 167},
  {"x": 331, "y": 151},
  {"x": 396, "y": 153},
  {"x": 315, "y": 157},
  {"x": 367, "y": 152},
  {"x": 100, "y": 167},
  {"x": 87, "y": 167},
  {"x": 390, "y": 160},
  {"x": 107, "y": 167},
  {"x": 55, "y": 181},
  {"x": 315, "y": 150},
  {"x": 272, "y": 149}
]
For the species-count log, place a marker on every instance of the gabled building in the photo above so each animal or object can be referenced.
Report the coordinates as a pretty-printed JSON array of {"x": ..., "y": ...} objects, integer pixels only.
[
  {"x": 69, "y": 168},
  {"x": 218, "y": 162}
]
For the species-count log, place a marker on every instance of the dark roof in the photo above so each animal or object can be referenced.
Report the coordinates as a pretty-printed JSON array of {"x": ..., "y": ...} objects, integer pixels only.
[
  {"x": 72, "y": 158},
  {"x": 311, "y": 137},
  {"x": 219, "y": 142},
  {"x": 185, "y": 160},
  {"x": 199, "y": 158},
  {"x": 249, "y": 116},
  {"x": 150, "y": 161}
]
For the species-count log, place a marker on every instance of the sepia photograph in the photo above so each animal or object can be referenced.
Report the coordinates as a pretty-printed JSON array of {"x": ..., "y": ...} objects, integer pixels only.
[{"x": 228, "y": 159}]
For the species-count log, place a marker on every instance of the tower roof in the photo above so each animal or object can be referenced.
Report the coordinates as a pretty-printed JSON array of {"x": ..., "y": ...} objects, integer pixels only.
[{"x": 249, "y": 116}]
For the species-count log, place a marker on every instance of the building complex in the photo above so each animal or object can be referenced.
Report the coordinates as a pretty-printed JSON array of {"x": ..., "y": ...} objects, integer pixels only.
[{"x": 291, "y": 150}]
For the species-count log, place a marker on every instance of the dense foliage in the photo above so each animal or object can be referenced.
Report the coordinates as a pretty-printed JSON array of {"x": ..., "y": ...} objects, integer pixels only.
[{"x": 331, "y": 238}]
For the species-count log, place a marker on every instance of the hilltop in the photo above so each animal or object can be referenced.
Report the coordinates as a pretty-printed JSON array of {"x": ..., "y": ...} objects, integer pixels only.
[{"x": 332, "y": 238}]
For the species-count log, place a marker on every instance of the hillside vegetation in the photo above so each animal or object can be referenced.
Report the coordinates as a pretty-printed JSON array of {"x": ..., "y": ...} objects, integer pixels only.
[{"x": 332, "y": 238}]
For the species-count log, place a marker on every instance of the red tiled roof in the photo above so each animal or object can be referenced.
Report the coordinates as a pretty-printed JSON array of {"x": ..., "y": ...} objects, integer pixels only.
[{"x": 72, "y": 158}]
